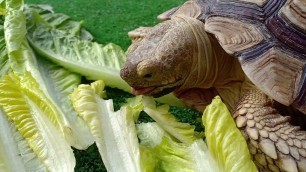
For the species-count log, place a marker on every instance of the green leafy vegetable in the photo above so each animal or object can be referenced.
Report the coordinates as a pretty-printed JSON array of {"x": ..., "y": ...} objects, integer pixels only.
[
  {"x": 15, "y": 154},
  {"x": 169, "y": 145},
  {"x": 224, "y": 139},
  {"x": 14, "y": 33},
  {"x": 48, "y": 83},
  {"x": 116, "y": 137},
  {"x": 181, "y": 131},
  {"x": 59, "y": 21},
  {"x": 177, "y": 157},
  {"x": 60, "y": 83},
  {"x": 161, "y": 153},
  {"x": 4, "y": 61},
  {"x": 82, "y": 56},
  {"x": 114, "y": 132},
  {"x": 31, "y": 122},
  {"x": 150, "y": 134}
]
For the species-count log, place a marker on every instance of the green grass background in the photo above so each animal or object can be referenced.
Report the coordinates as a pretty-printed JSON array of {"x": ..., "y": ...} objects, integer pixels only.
[{"x": 110, "y": 21}]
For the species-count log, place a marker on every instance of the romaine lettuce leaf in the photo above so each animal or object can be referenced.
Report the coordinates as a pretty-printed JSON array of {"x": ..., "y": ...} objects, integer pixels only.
[
  {"x": 183, "y": 132},
  {"x": 58, "y": 21},
  {"x": 150, "y": 134},
  {"x": 149, "y": 159},
  {"x": 161, "y": 153},
  {"x": 224, "y": 140},
  {"x": 14, "y": 33},
  {"x": 114, "y": 132},
  {"x": 56, "y": 105},
  {"x": 116, "y": 138},
  {"x": 88, "y": 58},
  {"x": 15, "y": 153},
  {"x": 31, "y": 121},
  {"x": 14, "y": 26},
  {"x": 136, "y": 104},
  {"x": 48, "y": 83},
  {"x": 180, "y": 157},
  {"x": 5, "y": 67},
  {"x": 60, "y": 83}
]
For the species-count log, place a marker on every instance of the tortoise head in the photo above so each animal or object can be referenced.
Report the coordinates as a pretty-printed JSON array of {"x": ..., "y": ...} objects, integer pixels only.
[{"x": 160, "y": 58}]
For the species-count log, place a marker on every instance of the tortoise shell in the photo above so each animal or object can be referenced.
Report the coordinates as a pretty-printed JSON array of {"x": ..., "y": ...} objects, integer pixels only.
[{"x": 267, "y": 36}]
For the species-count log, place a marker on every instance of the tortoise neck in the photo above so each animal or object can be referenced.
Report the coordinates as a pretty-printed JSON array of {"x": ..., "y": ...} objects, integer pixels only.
[
  {"x": 226, "y": 67},
  {"x": 211, "y": 65},
  {"x": 206, "y": 61},
  {"x": 204, "y": 68},
  {"x": 216, "y": 68}
]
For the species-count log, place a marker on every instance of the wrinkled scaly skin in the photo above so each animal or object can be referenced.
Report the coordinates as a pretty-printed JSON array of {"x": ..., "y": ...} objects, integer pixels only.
[
  {"x": 274, "y": 143},
  {"x": 178, "y": 55}
]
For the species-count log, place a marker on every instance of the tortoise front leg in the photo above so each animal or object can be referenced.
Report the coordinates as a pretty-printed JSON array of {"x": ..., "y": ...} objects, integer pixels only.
[{"x": 274, "y": 143}]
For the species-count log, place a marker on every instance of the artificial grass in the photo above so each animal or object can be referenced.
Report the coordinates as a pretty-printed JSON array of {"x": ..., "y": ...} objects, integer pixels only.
[{"x": 109, "y": 21}]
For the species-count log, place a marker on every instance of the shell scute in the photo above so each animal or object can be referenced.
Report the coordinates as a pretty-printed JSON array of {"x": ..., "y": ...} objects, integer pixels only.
[
  {"x": 289, "y": 36},
  {"x": 269, "y": 39},
  {"x": 277, "y": 73},
  {"x": 234, "y": 35}
]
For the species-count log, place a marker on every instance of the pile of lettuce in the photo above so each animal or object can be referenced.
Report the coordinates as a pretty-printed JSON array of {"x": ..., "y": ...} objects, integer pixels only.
[{"x": 46, "y": 109}]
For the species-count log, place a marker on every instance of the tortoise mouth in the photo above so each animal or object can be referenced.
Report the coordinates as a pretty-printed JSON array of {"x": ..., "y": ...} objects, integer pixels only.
[{"x": 156, "y": 91}]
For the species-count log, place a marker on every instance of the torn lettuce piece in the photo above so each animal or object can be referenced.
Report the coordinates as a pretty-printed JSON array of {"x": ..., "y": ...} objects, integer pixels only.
[
  {"x": 15, "y": 153},
  {"x": 136, "y": 104},
  {"x": 183, "y": 132},
  {"x": 223, "y": 138},
  {"x": 149, "y": 160},
  {"x": 150, "y": 134},
  {"x": 161, "y": 153},
  {"x": 180, "y": 157},
  {"x": 32, "y": 123},
  {"x": 114, "y": 132}
]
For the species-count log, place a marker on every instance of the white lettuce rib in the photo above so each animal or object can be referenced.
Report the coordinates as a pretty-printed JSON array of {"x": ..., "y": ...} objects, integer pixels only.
[
  {"x": 9, "y": 153},
  {"x": 39, "y": 132},
  {"x": 114, "y": 132}
]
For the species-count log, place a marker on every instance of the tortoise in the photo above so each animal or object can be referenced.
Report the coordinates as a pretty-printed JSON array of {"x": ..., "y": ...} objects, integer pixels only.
[{"x": 252, "y": 53}]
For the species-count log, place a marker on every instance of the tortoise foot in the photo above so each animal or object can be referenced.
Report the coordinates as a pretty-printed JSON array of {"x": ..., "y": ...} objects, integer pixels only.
[{"x": 274, "y": 143}]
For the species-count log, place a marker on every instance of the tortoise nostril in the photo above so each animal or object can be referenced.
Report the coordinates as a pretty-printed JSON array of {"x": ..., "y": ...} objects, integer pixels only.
[
  {"x": 148, "y": 75},
  {"x": 124, "y": 73}
]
